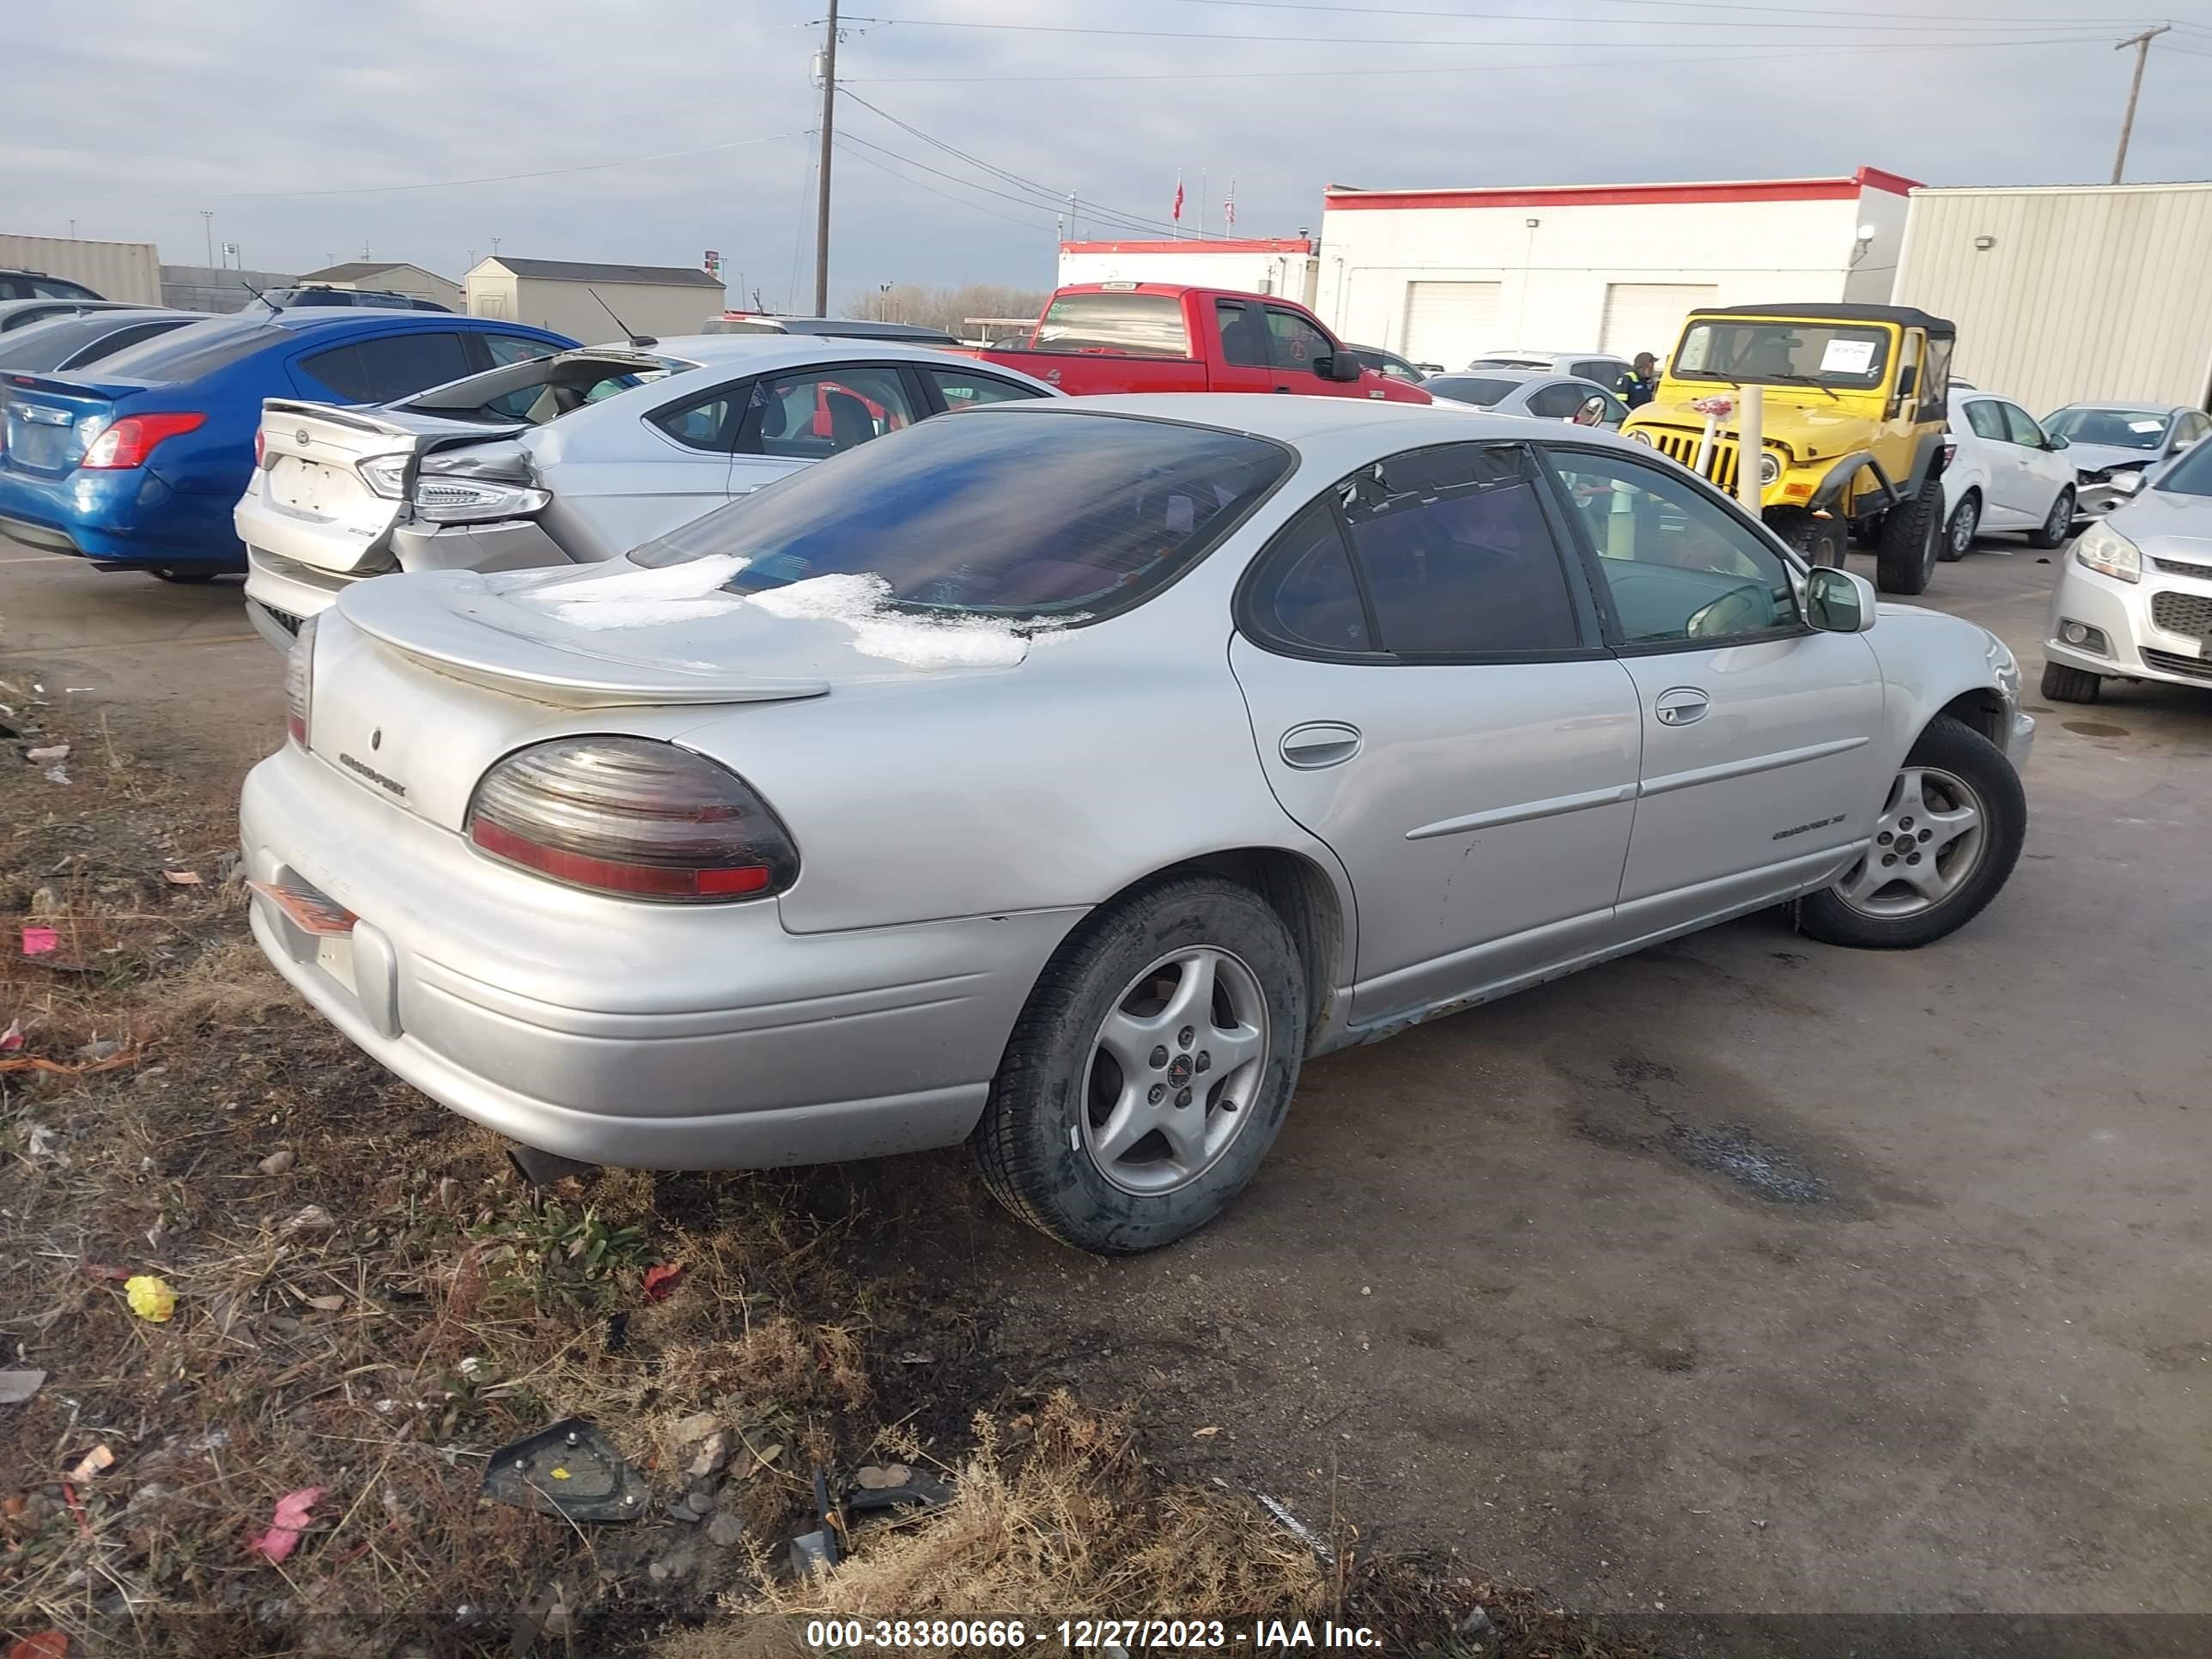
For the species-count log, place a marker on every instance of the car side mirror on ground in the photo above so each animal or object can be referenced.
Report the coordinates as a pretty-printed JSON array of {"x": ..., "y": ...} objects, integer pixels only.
[{"x": 1837, "y": 602}]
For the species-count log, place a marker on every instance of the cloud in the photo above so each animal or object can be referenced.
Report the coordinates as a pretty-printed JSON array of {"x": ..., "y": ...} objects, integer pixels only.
[{"x": 218, "y": 108}]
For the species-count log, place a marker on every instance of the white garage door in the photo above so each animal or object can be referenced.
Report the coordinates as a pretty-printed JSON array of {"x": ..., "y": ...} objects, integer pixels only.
[
  {"x": 1648, "y": 316},
  {"x": 1447, "y": 322}
]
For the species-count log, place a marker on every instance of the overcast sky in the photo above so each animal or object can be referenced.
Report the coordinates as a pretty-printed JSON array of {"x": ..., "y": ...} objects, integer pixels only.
[{"x": 131, "y": 116}]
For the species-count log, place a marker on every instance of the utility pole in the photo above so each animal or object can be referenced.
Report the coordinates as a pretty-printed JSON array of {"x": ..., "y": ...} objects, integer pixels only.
[
  {"x": 207, "y": 225},
  {"x": 2141, "y": 43},
  {"x": 822, "y": 180}
]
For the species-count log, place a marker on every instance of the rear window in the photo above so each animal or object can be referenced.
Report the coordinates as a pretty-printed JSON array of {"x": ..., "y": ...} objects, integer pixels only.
[
  {"x": 1468, "y": 388},
  {"x": 196, "y": 350},
  {"x": 1065, "y": 515},
  {"x": 1134, "y": 325},
  {"x": 44, "y": 345}
]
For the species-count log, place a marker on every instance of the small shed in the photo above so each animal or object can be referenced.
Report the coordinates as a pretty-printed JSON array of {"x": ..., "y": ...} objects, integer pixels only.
[
  {"x": 389, "y": 277},
  {"x": 575, "y": 297}
]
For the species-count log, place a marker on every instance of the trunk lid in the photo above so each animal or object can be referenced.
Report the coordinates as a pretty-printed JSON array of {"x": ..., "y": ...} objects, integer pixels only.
[
  {"x": 309, "y": 501},
  {"x": 51, "y": 423}
]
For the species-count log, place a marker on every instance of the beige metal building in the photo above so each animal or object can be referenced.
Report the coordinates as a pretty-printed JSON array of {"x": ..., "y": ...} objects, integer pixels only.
[
  {"x": 2064, "y": 294},
  {"x": 574, "y": 298},
  {"x": 116, "y": 271},
  {"x": 389, "y": 277}
]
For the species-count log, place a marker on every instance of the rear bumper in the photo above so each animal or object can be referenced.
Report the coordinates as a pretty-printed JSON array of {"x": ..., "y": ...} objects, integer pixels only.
[
  {"x": 651, "y": 1036},
  {"x": 126, "y": 517},
  {"x": 281, "y": 593}
]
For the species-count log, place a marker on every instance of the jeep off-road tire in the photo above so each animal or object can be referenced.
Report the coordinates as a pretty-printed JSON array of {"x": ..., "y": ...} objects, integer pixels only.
[
  {"x": 1953, "y": 776},
  {"x": 2062, "y": 682},
  {"x": 1820, "y": 539},
  {"x": 1911, "y": 537},
  {"x": 1089, "y": 1051}
]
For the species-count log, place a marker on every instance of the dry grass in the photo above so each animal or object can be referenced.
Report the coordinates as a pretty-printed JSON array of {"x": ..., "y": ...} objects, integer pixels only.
[{"x": 437, "y": 1309}]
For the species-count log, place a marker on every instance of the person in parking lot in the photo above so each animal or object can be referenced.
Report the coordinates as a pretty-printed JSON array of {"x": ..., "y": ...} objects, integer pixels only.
[{"x": 1641, "y": 384}]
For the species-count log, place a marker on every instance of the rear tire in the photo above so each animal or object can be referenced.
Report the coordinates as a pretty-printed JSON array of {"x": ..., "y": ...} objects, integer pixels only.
[
  {"x": 1953, "y": 769},
  {"x": 2064, "y": 684},
  {"x": 1819, "y": 539},
  {"x": 2058, "y": 526},
  {"x": 185, "y": 577},
  {"x": 1912, "y": 537},
  {"x": 1959, "y": 534},
  {"x": 1048, "y": 1144}
]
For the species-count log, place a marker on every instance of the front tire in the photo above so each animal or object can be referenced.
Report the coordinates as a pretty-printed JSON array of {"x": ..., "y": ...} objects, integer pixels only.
[
  {"x": 1912, "y": 537},
  {"x": 1818, "y": 538},
  {"x": 1947, "y": 839},
  {"x": 2058, "y": 526},
  {"x": 2064, "y": 684},
  {"x": 1150, "y": 1070},
  {"x": 182, "y": 576},
  {"x": 1959, "y": 534}
]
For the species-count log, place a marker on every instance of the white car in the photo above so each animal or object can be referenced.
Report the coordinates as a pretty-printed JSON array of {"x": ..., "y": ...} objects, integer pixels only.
[
  {"x": 2003, "y": 472},
  {"x": 1607, "y": 370},
  {"x": 2110, "y": 439},
  {"x": 574, "y": 458}
]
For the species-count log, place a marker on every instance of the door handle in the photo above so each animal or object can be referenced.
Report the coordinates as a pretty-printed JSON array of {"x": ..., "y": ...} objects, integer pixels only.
[
  {"x": 1318, "y": 743},
  {"x": 1683, "y": 706}
]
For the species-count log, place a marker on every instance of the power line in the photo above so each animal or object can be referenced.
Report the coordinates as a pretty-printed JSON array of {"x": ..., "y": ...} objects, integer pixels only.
[
  {"x": 508, "y": 178},
  {"x": 1116, "y": 218},
  {"x": 1400, "y": 72},
  {"x": 845, "y": 143},
  {"x": 1247, "y": 39},
  {"x": 969, "y": 183},
  {"x": 1769, "y": 14}
]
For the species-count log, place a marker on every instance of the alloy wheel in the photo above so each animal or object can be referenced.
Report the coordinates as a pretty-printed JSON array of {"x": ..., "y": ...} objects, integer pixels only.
[
  {"x": 1174, "y": 1071},
  {"x": 1926, "y": 842},
  {"x": 2061, "y": 519},
  {"x": 1964, "y": 523}
]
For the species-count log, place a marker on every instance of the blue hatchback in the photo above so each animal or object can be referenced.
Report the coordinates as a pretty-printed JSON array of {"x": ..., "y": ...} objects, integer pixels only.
[{"x": 136, "y": 462}]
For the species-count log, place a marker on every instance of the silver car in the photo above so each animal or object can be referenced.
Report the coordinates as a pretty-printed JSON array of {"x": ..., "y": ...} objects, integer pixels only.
[
  {"x": 2134, "y": 598},
  {"x": 569, "y": 459},
  {"x": 2108, "y": 441},
  {"x": 1534, "y": 394},
  {"x": 1060, "y": 777}
]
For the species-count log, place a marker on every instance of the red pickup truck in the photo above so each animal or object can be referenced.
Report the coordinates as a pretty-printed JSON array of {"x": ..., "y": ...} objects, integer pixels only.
[{"x": 1099, "y": 337}]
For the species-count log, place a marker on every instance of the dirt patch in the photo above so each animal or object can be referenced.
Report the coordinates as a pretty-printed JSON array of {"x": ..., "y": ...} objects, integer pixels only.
[{"x": 363, "y": 1302}]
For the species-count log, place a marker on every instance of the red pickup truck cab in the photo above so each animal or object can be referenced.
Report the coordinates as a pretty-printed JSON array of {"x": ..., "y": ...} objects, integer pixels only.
[{"x": 1100, "y": 337}]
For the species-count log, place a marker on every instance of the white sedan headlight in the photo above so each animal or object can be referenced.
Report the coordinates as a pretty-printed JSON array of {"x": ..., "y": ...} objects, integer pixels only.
[{"x": 2104, "y": 549}]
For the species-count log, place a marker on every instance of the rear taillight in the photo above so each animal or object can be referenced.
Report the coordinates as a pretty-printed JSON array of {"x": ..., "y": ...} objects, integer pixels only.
[
  {"x": 300, "y": 683},
  {"x": 632, "y": 817},
  {"x": 260, "y": 447},
  {"x": 1949, "y": 450},
  {"x": 131, "y": 440}
]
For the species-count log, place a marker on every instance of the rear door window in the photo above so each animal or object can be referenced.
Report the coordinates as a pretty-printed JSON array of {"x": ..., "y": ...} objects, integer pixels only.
[
  {"x": 1132, "y": 325},
  {"x": 391, "y": 366},
  {"x": 960, "y": 389},
  {"x": 812, "y": 416},
  {"x": 704, "y": 423},
  {"x": 1559, "y": 400},
  {"x": 1304, "y": 596},
  {"x": 1243, "y": 340},
  {"x": 1457, "y": 556},
  {"x": 1984, "y": 417}
]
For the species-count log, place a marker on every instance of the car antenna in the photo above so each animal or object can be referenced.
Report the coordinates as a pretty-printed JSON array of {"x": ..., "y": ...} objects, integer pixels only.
[
  {"x": 641, "y": 341},
  {"x": 261, "y": 296}
]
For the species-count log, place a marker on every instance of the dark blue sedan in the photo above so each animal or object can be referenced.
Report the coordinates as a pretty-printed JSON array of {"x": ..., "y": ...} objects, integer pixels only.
[{"x": 136, "y": 462}]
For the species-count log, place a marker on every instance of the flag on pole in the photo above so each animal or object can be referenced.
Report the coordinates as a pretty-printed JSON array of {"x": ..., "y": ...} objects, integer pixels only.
[
  {"x": 1229, "y": 207},
  {"x": 1177, "y": 215}
]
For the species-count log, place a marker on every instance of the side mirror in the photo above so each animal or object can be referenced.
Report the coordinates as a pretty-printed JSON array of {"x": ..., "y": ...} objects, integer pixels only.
[
  {"x": 1592, "y": 413},
  {"x": 2125, "y": 483},
  {"x": 1908, "y": 380},
  {"x": 1341, "y": 367},
  {"x": 2057, "y": 441},
  {"x": 1837, "y": 602}
]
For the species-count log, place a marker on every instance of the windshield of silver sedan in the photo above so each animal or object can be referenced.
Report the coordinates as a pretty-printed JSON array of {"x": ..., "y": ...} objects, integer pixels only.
[{"x": 1024, "y": 513}]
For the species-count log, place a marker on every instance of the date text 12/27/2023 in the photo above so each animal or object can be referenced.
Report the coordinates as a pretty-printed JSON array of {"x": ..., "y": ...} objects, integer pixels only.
[{"x": 1086, "y": 1635}]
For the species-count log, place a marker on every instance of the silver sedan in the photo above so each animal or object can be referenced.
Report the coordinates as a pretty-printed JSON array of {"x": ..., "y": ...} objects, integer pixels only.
[
  {"x": 1061, "y": 777},
  {"x": 569, "y": 459},
  {"x": 1535, "y": 394},
  {"x": 2134, "y": 597}
]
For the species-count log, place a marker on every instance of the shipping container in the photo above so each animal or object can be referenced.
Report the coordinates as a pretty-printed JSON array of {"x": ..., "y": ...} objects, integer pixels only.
[
  {"x": 114, "y": 271},
  {"x": 2069, "y": 294}
]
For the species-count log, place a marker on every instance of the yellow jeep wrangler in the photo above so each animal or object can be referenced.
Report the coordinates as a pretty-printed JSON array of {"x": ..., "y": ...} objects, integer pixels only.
[{"x": 1852, "y": 430}]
